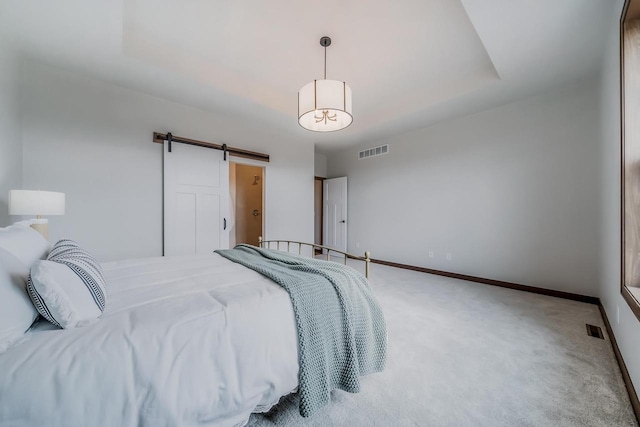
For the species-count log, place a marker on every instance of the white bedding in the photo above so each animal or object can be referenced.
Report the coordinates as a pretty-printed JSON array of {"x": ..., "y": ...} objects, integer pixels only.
[{"x": 183, "y": 341}]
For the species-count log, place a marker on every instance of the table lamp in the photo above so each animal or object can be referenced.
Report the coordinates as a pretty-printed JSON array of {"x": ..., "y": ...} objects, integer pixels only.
[{"x": 38, "y": 203}]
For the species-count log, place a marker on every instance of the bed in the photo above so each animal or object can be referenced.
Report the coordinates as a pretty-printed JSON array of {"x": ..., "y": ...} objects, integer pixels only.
[{"x": 182, "y": 341}]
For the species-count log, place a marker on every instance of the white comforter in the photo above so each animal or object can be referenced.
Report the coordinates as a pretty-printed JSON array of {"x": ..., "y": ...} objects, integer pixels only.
[{"x": 183, "y": 341}]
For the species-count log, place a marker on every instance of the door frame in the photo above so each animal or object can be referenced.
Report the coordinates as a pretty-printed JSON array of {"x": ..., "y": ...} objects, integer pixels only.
[
  {"x": 321, "y": 179},
  {"x": 250, "y": 162}
]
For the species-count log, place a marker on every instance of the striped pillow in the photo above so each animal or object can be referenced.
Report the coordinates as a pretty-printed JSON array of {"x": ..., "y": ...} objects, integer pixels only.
[
  {"x": 68, "y": 289},
  {"x": 64, "y": 245}
]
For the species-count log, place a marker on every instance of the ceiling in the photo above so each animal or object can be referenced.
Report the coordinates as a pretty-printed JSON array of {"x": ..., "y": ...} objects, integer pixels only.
[{"x": 409, "y": 63}]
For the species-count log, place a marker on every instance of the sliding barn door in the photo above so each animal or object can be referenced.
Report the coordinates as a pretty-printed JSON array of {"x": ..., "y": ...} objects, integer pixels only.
[
  {"x": 196, "y": 200},
  {"x": 335, "y": 213}
]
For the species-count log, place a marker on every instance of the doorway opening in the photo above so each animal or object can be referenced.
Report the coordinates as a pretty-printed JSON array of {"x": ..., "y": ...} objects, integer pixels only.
[
  {"x": 318, "y": 192},
  {"x": 246, "y": 188}
]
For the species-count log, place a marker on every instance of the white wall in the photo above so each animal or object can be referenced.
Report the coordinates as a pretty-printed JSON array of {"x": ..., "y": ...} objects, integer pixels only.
[
  {"x": 320, "y": 165},
  {"x": 510, "y": 193},
  {"x": 92, "y": 140},
  {"x": 10, "y": 131},
  {"x": 627, "y": 330}
]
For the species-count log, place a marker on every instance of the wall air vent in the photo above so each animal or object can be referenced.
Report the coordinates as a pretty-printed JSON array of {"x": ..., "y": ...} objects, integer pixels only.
[{"x": 375, "y": 151}]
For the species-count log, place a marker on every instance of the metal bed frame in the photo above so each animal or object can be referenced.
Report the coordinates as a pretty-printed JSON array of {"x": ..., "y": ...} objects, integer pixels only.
[{"x": 366, "y": 258}]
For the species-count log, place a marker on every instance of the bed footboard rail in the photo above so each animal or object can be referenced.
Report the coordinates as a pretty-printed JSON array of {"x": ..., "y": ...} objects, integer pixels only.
[{"x": 328, "y": 251}]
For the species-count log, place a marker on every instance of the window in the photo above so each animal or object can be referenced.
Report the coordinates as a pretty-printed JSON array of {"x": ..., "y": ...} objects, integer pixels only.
[{"x": 630, "y": 140}]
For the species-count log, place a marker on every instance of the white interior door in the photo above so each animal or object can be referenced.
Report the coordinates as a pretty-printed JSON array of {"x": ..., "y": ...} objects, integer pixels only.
[
  {"x": 196, "y": 200},
  {"x": 335, "y": 213}
]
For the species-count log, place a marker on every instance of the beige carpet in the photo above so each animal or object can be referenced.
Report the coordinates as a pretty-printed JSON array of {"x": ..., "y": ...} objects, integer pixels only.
[{"x": 466, "y": 354}]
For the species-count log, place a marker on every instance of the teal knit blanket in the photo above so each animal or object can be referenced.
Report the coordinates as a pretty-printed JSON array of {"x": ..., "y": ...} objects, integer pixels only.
[{"x": 341, "y": 329}]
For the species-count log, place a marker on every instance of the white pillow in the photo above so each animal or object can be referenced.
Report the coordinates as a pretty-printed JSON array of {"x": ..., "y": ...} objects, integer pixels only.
[
  {"x": 24, "y": 243},
  {"x": 62, "y": 297},
  {"x": 17, "y": 313}
]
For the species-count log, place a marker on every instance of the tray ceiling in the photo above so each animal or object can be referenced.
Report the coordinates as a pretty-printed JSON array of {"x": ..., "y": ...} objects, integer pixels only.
[{"x": 409, "y": 63}]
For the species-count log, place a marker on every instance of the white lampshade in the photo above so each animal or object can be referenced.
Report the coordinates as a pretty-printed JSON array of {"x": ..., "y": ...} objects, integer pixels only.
[
  {"x": 30, "y": 202},
  {"x": 325, "y": 106}
]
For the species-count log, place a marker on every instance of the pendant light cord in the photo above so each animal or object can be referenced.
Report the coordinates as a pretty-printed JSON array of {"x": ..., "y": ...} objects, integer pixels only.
[{"x": 325, "y": 63}]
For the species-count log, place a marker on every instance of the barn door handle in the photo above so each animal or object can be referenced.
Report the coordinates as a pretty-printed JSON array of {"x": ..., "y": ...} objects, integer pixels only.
[{"x": 225, "y": 224}]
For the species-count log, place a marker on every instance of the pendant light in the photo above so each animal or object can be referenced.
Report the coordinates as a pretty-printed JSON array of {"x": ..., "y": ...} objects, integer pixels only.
[{"x": 325, "y": 105}]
